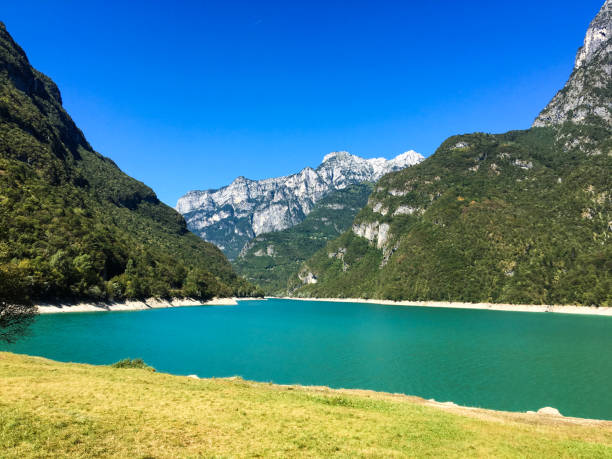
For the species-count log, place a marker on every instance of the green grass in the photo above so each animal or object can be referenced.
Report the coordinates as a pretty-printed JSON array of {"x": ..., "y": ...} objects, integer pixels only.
[{"x": 52, "y": 409}]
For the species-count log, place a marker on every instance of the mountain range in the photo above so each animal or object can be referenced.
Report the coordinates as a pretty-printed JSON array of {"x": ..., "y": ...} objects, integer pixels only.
[{"x": 233, "y": 215}]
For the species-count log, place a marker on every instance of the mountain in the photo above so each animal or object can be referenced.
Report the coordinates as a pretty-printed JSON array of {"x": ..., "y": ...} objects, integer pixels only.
[
  {"x": 271, "y": 259},
  {"x": 588, "y": 93},
  {"x": 233, "y": 215},
  {"x": 72, "y": 225},
  {"x": 521, "y": 217}
]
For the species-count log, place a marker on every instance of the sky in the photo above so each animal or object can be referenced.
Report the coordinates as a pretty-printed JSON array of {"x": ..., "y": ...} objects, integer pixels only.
[{"x": 189, "y": 95}]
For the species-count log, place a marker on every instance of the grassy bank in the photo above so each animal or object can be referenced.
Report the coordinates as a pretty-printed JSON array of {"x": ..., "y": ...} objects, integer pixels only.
[{"x": 55, "y": 409}]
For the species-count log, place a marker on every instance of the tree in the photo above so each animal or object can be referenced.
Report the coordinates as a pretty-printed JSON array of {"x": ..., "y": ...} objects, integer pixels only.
[
  {"x": 16, "y": 311},
  {"x": 202, "y": 285}
]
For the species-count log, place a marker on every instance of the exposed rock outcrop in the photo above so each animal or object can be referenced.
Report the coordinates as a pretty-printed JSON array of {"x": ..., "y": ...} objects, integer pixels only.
[
  {"x": 307, "y": 277},
  {"x": 598, "y": 33},
  {"x": 588, "y": 92},
  {"x": 374, "y": 232}
]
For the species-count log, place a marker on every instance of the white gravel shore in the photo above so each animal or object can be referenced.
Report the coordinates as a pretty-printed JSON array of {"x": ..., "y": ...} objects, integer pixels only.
[
  {"x": 562, "y": 309},
  {"x": 151, "y": 303}
]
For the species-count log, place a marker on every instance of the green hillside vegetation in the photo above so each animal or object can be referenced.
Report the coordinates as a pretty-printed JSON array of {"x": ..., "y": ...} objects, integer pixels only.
[
  {"x": 87, "y": 411},
  {"x": 72, "y": 225},
  {"x": 271, "y": 259},
  {"x": 232, "y": 233},
  {"x": 522, "y": 217}
]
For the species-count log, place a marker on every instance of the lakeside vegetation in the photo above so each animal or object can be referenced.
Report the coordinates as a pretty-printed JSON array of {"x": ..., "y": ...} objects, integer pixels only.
[{"x": 57, "y": 409}]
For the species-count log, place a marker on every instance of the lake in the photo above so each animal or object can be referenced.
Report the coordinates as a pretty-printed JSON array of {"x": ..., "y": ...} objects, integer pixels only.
[{"x": 515, "y": 361}]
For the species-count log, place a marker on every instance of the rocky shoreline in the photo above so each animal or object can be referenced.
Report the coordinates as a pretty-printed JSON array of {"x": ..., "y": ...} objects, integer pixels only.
[{"x": 151, "y": 303}]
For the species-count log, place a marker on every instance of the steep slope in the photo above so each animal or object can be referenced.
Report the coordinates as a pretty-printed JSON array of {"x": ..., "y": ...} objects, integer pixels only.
[
  {"x": 233, "y": 215},
  {"x": 72, "y": 225},
  {"x": 271, "y": 259},
  {"x": 522, "y": 217},
  {"x": 588, "y": 93}
]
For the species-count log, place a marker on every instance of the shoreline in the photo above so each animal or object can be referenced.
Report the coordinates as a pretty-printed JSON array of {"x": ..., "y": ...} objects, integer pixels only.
[
  {"x": 544, "y": 414},
  {"x": 154, "y": 303},
  {"x": 150, "y": 303},
  {"x": 559, "y": 309}
]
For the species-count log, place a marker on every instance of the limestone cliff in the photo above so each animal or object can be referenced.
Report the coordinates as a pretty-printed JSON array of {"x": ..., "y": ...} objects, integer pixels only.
[
  {"x": 231, "y": 216},
  {"x": 588, "y": 92}
]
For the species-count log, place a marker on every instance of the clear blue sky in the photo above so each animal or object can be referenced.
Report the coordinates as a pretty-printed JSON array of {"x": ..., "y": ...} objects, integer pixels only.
[{"x": 191, "y": 96}]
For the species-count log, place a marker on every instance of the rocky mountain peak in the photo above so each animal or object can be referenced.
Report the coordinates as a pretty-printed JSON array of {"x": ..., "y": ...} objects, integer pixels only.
[
  {"x": 599, "y": 31},
  {"x": 338, "y": 155},
  {"x": 586, "y": 95},
  {"x": 232, "y": 215},
  {"x": 407, "y": 158},
  {"x": 241, "y": 180}
]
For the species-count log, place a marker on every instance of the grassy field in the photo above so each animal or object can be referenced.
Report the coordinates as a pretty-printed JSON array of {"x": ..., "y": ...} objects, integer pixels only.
[{"x": 56, "y": 409}]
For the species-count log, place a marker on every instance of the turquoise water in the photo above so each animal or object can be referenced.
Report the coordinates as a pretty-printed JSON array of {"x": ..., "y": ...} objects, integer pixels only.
[{"x": 501, "y": 360}]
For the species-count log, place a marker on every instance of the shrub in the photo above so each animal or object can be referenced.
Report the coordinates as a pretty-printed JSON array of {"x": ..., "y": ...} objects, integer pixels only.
[{"x": 132, "y": 363}]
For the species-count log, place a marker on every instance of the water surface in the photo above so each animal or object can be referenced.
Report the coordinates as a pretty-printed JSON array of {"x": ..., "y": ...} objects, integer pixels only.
[{"x": 514, "y": 361}]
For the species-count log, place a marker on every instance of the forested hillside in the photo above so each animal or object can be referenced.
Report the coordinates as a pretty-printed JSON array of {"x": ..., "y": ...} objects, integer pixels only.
[
  {"x": 521, "y": 217},
  {"x": 271, "y": 259},
  {"x": 501, "y": 218},
  {"x": 72, "y": 225}
]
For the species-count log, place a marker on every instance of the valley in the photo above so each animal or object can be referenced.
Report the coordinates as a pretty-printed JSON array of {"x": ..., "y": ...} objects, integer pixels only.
[{"x": 457, "y": 304}]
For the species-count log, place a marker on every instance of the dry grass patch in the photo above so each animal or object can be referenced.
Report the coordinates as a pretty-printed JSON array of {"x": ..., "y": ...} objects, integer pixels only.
[{"x": 55, "y": 409}]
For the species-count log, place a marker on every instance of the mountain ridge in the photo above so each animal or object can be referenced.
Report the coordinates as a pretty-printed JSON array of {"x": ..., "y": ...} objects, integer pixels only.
[
  {"x": 521, "y": 217},
  {"x": 588, "y": 92},
  {"x": 73, "y": 226},
  {"x": 232, "y": 215}
]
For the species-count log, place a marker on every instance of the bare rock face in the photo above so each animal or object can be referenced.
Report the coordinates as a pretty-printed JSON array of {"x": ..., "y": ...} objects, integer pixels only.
[
  {"x": 307, "y": 277},
  {"x": 374, "y": 232},
  {"x": 588, "y": 93},
  {"x": 599, "y": 32},
  {"x": 231, "y": 216}
]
